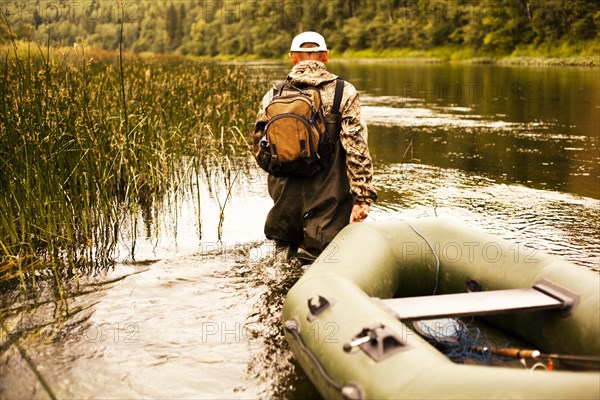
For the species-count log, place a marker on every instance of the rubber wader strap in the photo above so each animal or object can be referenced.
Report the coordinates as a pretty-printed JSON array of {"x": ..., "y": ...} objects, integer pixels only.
[{"x": 337, "y": 97}]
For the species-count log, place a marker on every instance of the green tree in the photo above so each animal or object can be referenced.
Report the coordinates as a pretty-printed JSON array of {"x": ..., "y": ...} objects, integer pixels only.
[
  {"x": 172, "y": 27},
  {"x": 181, "y": 23},
  {"x": 548, "y": 20},
  {"x": 265, "y": 27},
  {"x": 5, "y": 34},
  {"x": 580, "y": 19},
  {"x": 505, "y": 25},
  {"x": 571, "y": 21}
]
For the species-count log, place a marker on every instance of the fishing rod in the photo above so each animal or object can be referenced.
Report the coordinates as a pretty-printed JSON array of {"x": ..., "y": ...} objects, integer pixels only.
[{"x": 535, "y": 354}]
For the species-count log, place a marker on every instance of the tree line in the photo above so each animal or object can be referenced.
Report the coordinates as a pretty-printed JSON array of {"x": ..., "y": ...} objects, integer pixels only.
[{"x": 265, "y": 28}]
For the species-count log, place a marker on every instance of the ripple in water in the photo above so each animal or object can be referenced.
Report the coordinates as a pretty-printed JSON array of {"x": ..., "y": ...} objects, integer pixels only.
[
  {"x": 207, "y": 325},
  {"x": 553, "y": 222}
]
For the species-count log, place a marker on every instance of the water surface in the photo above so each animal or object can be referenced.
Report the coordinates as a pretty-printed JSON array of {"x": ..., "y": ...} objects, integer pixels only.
[{"x": 195, "y": 314}]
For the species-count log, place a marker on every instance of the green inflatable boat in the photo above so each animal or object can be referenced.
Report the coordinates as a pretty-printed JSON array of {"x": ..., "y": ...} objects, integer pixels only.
[{"x": 350, "y": 319}]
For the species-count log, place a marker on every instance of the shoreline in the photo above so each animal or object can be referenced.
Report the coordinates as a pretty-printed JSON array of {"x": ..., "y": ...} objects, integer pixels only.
[
  {"x": 561, "y": 55},
  {"x": 522, "y": 61},
  {"x": 386, "y": 56},
  {"x": 551, "y": 61},
  {"x": 508, "y": 61},
  {"x": 585, "y": 62}
]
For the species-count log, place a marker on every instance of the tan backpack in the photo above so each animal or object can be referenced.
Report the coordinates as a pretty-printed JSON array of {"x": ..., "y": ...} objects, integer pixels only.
[{"x": 298, "y": 138}]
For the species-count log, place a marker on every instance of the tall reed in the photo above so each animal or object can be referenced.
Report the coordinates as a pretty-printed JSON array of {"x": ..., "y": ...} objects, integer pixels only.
[{"x": 83, "y": 147}]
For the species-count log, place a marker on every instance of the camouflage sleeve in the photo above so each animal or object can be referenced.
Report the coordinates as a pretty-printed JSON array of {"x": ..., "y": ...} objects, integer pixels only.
[
  {"x": 354, "y": 138},
  {"x": 261, "y": 120}
]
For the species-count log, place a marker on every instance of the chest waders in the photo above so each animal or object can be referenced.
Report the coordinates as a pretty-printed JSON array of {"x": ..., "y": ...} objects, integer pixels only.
[{"x": 310, "y": 211}]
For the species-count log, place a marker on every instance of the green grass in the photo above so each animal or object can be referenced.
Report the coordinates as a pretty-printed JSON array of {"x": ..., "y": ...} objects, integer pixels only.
[
  {"x": 581, "y": 53},
  {"x": 86, "y": 144},
  {"x": 561, "y": 53}
]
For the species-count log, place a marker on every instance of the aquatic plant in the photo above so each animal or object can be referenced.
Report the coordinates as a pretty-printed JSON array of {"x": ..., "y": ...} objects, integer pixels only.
[{"x": 90, "y": 139}]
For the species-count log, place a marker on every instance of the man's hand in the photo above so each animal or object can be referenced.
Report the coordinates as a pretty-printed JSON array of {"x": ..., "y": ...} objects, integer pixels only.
[{"x": 359, "y": 212}]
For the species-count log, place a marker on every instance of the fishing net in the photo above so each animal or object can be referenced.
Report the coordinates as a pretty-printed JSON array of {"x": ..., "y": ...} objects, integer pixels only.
[{"x": 459, "y": 342}]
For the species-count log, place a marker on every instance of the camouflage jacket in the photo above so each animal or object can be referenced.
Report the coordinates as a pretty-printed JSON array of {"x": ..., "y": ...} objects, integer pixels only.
[{"x": 353, "y": 135}]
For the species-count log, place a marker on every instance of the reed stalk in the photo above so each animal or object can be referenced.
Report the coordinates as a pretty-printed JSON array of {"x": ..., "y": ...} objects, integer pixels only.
[{"x": 88, "y": 141}]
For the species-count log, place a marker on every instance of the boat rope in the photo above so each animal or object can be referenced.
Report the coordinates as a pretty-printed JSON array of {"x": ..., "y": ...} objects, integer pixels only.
[
  {"x": 292, "y": 327},
  {"x": 350, "y": 391},
  {"x": 437, "y": 258}
]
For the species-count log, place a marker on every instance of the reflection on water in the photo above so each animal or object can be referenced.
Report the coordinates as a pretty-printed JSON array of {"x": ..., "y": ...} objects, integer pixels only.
[
  {"x": 175, "y": 330},
  {"x": 532, "y": 126},
  {"x": 206, "y": 324},
  {"x": 201, "y": 326},
  {"x": 196, "y": 314},
  {"x": 539, "y": 154},
  {"x": 414, "y": 116},
  {"x": 552, "y": 222},
  {"x": 204, "y": 217}
]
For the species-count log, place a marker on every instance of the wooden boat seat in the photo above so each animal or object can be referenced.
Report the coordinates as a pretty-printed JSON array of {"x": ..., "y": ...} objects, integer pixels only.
[{"x": 544, "y": 295}]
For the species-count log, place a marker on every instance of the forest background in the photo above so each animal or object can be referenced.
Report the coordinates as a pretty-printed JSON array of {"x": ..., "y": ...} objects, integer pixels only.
[{"x": 451, "y": 29}]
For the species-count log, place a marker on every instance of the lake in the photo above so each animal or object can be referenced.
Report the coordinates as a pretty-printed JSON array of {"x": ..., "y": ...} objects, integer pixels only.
[{"x": 509, "y": 150}]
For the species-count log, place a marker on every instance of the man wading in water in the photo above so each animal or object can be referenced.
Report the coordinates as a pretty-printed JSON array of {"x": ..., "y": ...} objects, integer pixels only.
[{"x": 309, "y": 210}]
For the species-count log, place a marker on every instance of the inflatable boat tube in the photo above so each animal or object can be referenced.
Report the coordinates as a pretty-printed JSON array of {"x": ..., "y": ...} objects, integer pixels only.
[{"x": 350, "y": 345}]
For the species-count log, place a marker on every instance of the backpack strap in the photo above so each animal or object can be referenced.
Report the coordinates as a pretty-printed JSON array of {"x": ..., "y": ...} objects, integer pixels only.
[
  {"x": 279, "y": 88},
  {"x": 337, "y": 97},
  {"x": 334, "y": 120}
]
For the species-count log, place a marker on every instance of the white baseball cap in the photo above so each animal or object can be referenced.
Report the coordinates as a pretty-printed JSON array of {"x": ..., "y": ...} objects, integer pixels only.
[{"x": 308, "y": 37}]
